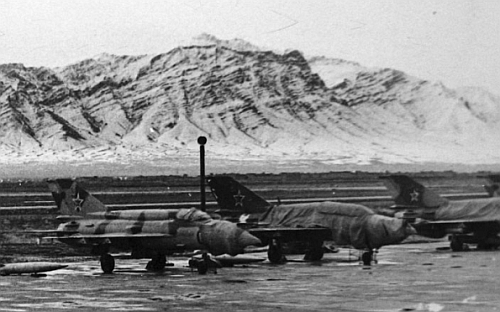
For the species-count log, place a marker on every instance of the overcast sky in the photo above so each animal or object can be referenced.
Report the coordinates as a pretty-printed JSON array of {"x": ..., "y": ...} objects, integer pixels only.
[{"x": 453, "y": 41}]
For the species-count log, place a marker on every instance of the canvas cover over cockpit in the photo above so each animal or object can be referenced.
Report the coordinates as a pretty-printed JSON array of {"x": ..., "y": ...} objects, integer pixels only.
[
  {"x": 350, "y": 224},
  {"x": 478, "y": 210}
]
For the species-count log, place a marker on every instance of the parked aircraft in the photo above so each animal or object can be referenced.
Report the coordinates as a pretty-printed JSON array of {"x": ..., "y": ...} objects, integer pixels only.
[
  {"x": 472, "y": 221},
  {"x": 146, "y": 233},
  {"x": 313, "y": 223},
  {"x": 493, "y": 188},
  {"x": 33, "y": 268}
]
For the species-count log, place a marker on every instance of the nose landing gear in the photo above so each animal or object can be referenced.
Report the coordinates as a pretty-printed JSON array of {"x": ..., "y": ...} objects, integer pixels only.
[{"x": 204, "y": 264}]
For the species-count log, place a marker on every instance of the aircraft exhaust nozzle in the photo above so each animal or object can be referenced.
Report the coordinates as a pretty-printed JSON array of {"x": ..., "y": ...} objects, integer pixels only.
[{"x": 224, "y": 237}]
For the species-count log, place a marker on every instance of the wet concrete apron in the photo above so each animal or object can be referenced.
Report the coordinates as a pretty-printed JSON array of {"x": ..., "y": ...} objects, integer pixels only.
[{"x": 410, "y": 277}]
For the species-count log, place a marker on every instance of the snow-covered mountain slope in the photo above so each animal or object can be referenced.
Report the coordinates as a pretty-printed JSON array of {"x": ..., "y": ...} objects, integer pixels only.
[{"x": 249, "y": 103}]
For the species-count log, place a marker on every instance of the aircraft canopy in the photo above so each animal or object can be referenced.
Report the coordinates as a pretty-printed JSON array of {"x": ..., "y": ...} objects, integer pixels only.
[{"x": 193, "y": 215}]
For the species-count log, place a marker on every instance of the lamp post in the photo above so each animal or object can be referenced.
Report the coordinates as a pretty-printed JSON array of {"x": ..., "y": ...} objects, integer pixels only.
[{"x": 202, "y": 141}]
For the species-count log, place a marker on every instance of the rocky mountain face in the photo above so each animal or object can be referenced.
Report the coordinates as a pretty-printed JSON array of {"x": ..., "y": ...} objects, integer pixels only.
[{"x": 250, "y": 104}]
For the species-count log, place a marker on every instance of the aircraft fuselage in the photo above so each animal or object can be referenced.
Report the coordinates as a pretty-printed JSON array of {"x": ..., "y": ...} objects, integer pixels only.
[{"x": 166, "y": 237}]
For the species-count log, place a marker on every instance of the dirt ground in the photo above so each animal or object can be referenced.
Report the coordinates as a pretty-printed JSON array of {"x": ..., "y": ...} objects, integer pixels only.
[{"x": 408, "y": 277}]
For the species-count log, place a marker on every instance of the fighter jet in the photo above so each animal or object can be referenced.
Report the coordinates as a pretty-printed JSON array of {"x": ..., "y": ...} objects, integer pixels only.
[
  {"x": 146, "y": 233},
  {"x": 313, "y": 223},
  {"x": 493, "y": 188},
  {"x": 472, "y": 221}
]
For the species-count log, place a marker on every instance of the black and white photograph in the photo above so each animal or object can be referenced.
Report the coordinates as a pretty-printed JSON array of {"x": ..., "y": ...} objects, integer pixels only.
[{"x": 230, "y": 155}]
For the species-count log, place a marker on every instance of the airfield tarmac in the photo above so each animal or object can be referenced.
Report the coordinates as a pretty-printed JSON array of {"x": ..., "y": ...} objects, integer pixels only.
[{"x": 408, "y": 277}]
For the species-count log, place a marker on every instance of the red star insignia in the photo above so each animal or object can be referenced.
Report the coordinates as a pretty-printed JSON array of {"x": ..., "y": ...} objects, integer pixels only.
[
  {"x": 78, "y": 202},
  {"x": 414, "y": 196},
  {"x": 238, "y": 199}
]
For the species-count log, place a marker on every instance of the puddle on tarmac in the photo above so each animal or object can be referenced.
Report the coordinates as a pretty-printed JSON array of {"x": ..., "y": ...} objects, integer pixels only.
[
  {"x": 397, "y": 283},
  {"x": 78, "y": 304}
]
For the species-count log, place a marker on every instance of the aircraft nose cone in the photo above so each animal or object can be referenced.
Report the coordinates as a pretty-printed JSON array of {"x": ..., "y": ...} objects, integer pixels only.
[{"x": 246, "y": 239}]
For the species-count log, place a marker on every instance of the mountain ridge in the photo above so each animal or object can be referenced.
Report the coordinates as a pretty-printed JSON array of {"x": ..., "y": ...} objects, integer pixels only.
[{"x": 250, "y": 103}]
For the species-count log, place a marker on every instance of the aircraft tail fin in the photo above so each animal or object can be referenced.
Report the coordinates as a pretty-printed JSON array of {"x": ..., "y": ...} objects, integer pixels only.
[
  {"x": 72, "y": 200},
  {"x": 236, "y": 198},
  {"x": 409, "y": 193}
]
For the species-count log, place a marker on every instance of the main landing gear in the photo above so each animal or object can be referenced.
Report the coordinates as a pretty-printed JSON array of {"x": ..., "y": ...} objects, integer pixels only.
[
  {"x": 369, "y": 256},
  {"x": 460, "y": 242},
  {"x": 314, "y": 251},
  {"x": 157, "y": 263},
  {"x": 107, "y": 263},
  {"x": 275, "y": 252},
  {"x": 456, "y": 244}
]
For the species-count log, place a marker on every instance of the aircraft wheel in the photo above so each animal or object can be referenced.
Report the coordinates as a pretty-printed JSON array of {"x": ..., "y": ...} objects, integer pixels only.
[
  {"x": 482, "y": 246},
  {"x": 456, "y": 244},
  {"x": 158, "y": 263},
  {"x": 314, "y": 254},
  {"x": 202, "y": 267},
  {"x": 367, "y": 257},
  {"x": 107, "y": 263},
  {"x": 275, "y": 253}
]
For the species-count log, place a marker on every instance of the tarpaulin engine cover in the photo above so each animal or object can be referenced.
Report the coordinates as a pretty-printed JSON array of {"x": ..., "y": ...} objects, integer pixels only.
[{"x": 350, "y": 224}]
